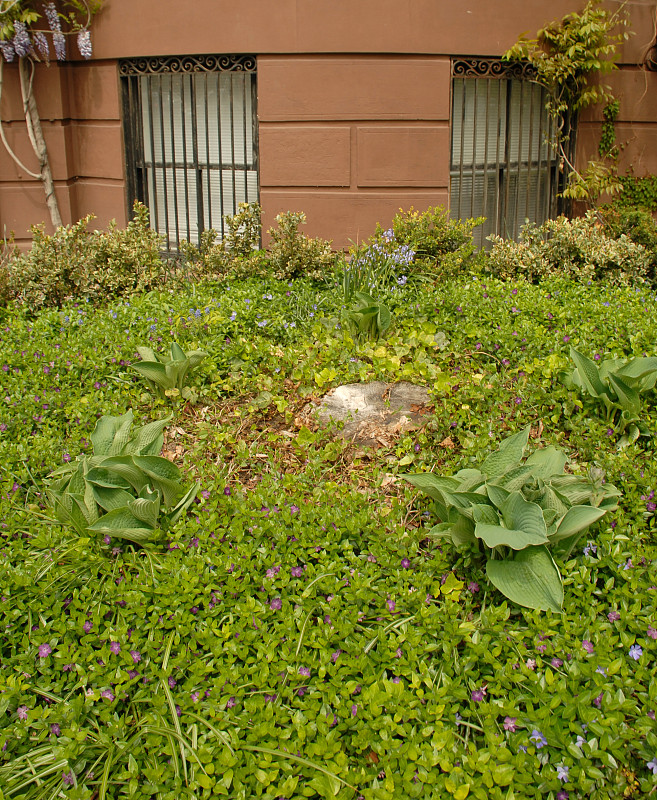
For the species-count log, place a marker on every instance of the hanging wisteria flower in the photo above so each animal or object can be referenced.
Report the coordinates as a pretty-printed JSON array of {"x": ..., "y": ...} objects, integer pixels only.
[
  {"x": 8, "y": 52},
  {"x": 52, "y": 16},
  {"x": 21, "y": 40},
  {"x": 636, "y": 651},
  {"x": 41, "y": 42},
  {"x": 59, "y": 43}
]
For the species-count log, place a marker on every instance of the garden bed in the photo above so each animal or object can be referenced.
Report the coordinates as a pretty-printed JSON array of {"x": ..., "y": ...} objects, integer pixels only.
[{"x": 299, "y": 633}]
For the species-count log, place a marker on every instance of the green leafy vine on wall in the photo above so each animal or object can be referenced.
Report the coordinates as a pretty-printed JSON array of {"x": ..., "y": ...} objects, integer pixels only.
[{"x": 566, "y": 56}]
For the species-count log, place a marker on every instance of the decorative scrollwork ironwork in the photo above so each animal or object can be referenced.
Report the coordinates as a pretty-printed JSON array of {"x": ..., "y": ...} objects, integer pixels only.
[
  {"x": 492, "y": 68},
  {"x": 158, "y": 65}
]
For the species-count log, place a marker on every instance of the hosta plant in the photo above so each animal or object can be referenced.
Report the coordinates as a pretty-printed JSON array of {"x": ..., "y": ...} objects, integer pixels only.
[
  {"x": 166, "y": 374},
  {"x": 125, "y": 489},
  {"x": 366, "y": 318},
  {"x": 518, "y": 510},
  {"x": 618, "y": 385}
]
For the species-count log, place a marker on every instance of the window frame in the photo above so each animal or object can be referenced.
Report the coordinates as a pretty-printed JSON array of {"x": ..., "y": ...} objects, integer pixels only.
[
  {"x": 136, "y": 76},
  {"x": 502, "y": 171}
]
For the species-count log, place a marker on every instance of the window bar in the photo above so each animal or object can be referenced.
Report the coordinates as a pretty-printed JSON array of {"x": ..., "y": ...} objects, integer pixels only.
[
  {"x": 232, "y": 142},
  {"x": 463, "y": 109},
  {"x": 185, "y": 164},
  {"x": 207, "y": 151},
  {"x": 172, "y": 164},
  {"x": 538, "y": 216},
  {"x": 516, "y": 194},
  {"x": 246, "y": 159},
  {"x": 474, "y": 147},
  {"x": 195, "y": 162},
  {"x": 498, "y": 169},
  {"x": 254, "y": 136},
  {"x": 486, "y": 132},
  {"x": 221, "y": 154},
  {"x": 153, "y": 170},
  {"x": 530, "y": 145},
  {"x": 163, "y": 159},
  {"x": 505, "y": 174}
]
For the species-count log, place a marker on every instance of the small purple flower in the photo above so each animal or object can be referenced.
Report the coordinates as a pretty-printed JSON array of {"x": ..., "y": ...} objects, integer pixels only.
[
  {"x": 136, "y": 656},
  {"x": 132, "y": 674},
  {"x": 88, "y": 625},
  {"x": 231, "y": 702},
  {"x": 588, "y": 646},
  {"x": 613, "y": 616},
  {"x": 55, "y": 729},
  {"x": 478, "y": 695},
  {"x": 562, "y": 795},
  {"x": 115, "y": 648},
  {"x": 562, "y": 773},
  {"x": 171, "y": 681},
  {"x": 371, "y": 559},
  {"x": 391, "y": 605},
  {"x": 227, "y": 491},
  {"x": 305, "y": 671},
  {"x": 531, "y": 663},
  {"x": 652, "y": 632},
  {"x": 336, "y": 655},
  {"x": 107, "y": 694},
  {"x": 294, "y": 509},
  {"x": 354, "y": 710},
  {"x": 68, "y": 778},
  {"x": 636, "y": 651},
  {"x": 195, "y": 697},
  {"x": 556, "y": 662},
  {"x": 406, "y": 564},
  {"x": 276, "y": 604},
  {"x": 44, "y": 650},
  {"x": 107, "y": 539},
  {"x": 296, "y": 572},
  {"x": 597, "y": 701},
  {"x": 538, "y": 739},
  {"x": 510, "y": 724},
  {"x": 652, "y": 765},
  {"x": 22, "y": 712},
  {"x": 473, "y": 587}
]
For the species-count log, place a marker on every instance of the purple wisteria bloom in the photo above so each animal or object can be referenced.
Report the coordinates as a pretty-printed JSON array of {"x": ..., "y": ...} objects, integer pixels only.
[
  {"x": 21, "y": 40},
  {"x": 84, "y": 44}
]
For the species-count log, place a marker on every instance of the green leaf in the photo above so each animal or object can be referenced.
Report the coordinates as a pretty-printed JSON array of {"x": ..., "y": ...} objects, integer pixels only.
[
  {"x": 587, "y": 372},
  {"x": 110, "y": 498},
  {"x": 496, "y": 535},
  {"x": 124, "y": 525},
  {"x": 177, "y": 353},
  {"x": 509, "y": 454},
  {"x": 530, "y": 579},
  {"x": 638, "y": 368},
  {"x": 146, "y": 508},
  {"x": 432, "y": 485},
  {"x": 547, "y": 462},
  {"x": 524, "y": 516},
  {"x": 183, "y": 504},
  {"x": 627, "y": 396},
  {"x": 148, "y": 439},
  {"x": 163, "y": 474},
  {"x": 155, "y": 372},
  {"x": 576, "y": 519},
  {"x": 124, "y": 467},
  {"x": 146, "y": 354},
  {"x": 105, "y": 431}
]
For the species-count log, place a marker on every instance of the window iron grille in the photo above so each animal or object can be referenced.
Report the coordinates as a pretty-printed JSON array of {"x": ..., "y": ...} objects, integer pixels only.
[
  {"x": 190, "y": 127},
  {"x": 504, "y": 166}
]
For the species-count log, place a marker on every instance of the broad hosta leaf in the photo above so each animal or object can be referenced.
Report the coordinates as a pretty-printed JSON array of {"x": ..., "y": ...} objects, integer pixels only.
[
  {"x": 498, "y": 496},
  {"x": 531, "y": 579},
  {"x": 146, "y": 510},
  {"x": 148, "y": 439},
  {"x": 638, "y": 368},
  {"x": 576, "y": 519},
  {"x": 163, "y": 475},
  {"x": 432, "y": 485},
  {"x": 110, "y": 498},
  {"x": 496, "y": 536},
  {"x": 588, "y": 374},
  {"x": 383, "y": 318},
  {"x": 524, "y": 516},
  {"x": 195, "y": 357},
  {"x": 469, "y": 479},
  {"x": 462, "y": 531},
  {"x": 627, "y": 396},
  {"x": 155, "y": 372},
  {"x": 123, "y": 524},
  {"x": 105, "y": 431},
  {"x": 486, "y": 514},
  {"x": 104, "y": 477},
  {"x": 515, "y": 478},
  {"x": 124, "y": 467},
  {"x": 547, "y": 462},
  {"x": 177, "y": 353},
  {"x": 508, "y": 455},
  {"x": 183, "y": 504},
  {"x": 146, "y": 354}
]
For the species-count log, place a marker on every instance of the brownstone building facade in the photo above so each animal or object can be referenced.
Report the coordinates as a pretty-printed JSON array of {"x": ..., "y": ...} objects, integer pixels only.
[{"x": 344, "y": 109}]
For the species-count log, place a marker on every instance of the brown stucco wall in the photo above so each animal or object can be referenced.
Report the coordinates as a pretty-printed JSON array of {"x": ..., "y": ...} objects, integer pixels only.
[{"x": 353, "y": 102}]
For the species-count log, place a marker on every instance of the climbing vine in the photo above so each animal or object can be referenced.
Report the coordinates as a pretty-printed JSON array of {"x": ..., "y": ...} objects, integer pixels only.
[
  {"x": 566, "y": 56},
  {"x": 27, "y": 30}
]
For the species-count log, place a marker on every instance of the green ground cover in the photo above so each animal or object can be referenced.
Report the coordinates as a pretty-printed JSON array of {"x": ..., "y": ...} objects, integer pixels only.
[{"x": 300, "y": 634}]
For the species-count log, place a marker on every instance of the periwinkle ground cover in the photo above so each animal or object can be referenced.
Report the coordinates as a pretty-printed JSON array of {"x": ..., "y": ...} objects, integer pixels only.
[{"x": 298, "y": 635}]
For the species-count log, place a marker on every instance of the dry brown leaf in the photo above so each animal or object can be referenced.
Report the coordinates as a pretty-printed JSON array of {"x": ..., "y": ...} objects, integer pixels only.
[{"x": 447, "y": 442}]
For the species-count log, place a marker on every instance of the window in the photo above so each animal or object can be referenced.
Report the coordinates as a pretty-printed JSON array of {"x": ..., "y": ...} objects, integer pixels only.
[
  {"x": 190, "y": 128},
  {"x": 502, "y": 166}
]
